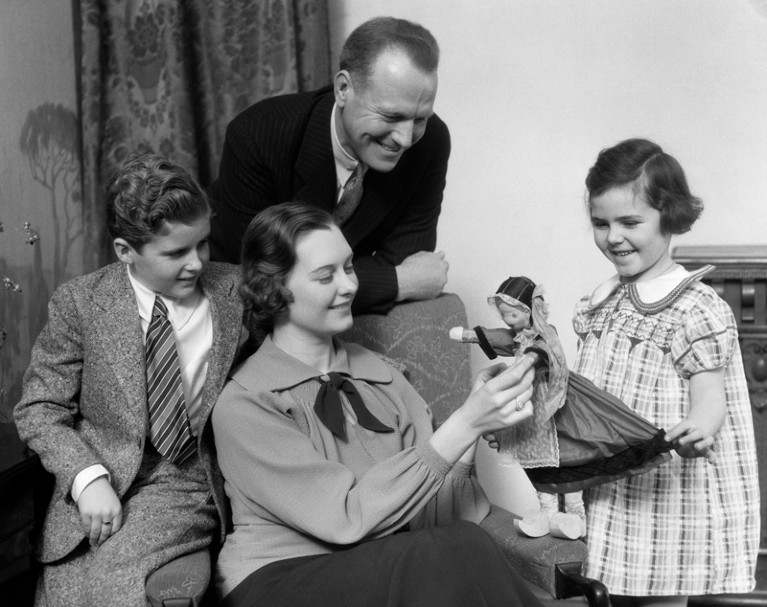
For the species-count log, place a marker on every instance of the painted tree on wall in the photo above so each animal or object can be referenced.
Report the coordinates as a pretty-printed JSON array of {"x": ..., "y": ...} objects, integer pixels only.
[
  {"x": 16, "y": 307},
  {"x": 49, "y": 140}
]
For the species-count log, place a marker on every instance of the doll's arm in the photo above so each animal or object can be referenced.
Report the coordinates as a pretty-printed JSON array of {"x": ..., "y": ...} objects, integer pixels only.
[
  {"x": 493, "y": 342},
  {"x": 540, "y": 356}
]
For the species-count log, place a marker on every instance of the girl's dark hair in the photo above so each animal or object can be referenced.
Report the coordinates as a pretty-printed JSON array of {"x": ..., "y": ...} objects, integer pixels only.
[
  {"x": 652, "y": 173},
  {"x": 148, "y": 191},
  {"x": 268, "y": 254}
]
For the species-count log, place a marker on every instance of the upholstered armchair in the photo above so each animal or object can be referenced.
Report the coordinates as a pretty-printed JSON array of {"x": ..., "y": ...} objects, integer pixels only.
[{"x": 415, "y": 336}]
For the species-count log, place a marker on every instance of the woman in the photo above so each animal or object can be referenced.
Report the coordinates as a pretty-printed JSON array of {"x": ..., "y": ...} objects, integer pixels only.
[{"x": 340, "y": 491}]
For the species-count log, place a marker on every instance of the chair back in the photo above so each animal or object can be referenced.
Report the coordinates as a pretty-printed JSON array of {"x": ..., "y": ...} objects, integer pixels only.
[{"x": 416, "y": 335}]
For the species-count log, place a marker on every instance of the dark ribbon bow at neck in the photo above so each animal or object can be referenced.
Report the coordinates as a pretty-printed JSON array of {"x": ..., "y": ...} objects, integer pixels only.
[{"x": 329, "y": 408}]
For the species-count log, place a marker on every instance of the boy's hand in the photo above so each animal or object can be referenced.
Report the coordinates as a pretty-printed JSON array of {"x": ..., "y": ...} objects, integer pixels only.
[
  {"x": 101, "y": 512},
  {"x": 690, "y": 441}
]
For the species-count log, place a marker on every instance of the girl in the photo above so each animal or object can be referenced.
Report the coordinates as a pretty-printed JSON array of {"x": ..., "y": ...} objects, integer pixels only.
[
  {"x": 341, "y": 493},
  {"x": 664, "y": 343}
]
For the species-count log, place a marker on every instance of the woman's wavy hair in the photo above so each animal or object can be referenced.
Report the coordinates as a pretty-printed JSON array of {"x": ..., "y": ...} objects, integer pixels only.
[
  {"x": 652, "y": 173},
  {"x": 268, "y": 255},
  {"x": 148, "y": 191}
]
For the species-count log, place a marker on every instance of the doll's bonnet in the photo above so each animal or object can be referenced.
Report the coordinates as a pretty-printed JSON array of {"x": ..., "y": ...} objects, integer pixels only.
[{"x": 514, "y": 290}]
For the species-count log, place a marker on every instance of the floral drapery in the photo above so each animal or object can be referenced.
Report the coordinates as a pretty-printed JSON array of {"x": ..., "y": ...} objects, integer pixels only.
[{"x": 168, "y": 75}]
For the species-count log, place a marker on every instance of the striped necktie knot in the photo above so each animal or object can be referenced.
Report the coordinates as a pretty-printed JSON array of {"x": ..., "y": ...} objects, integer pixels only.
[
  {"x": 159, "y": 309},
  {"x": 352, "y": 195}
]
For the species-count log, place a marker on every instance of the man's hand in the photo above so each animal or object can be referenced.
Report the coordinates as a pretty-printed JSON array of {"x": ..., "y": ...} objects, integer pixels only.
[
  {"x": 101, "y": 512},
  {"x": 422, "y": 275}
]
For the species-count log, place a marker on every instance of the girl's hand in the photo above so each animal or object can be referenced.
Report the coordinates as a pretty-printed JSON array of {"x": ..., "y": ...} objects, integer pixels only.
[
  {"x": 100, "y": 511},
  {"x": 690, "y": 441},
  {"x": 694, "y": 436}
]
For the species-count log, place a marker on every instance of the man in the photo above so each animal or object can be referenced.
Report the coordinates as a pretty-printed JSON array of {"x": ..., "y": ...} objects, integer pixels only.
[{"x": 307, "y": 146}]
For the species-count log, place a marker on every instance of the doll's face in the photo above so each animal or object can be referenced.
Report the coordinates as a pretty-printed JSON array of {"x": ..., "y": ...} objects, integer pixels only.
[{"x": 516, "y": 317}]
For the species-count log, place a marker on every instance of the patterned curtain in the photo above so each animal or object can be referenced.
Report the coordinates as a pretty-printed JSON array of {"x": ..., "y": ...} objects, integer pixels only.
[{"x": 167, "y": 76}]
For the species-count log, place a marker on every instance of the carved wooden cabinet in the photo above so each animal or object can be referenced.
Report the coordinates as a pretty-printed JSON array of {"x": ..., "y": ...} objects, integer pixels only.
[{"x": 740, "y": 278}]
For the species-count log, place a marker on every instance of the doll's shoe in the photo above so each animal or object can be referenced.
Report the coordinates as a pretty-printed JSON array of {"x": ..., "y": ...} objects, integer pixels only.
[
  {"x": 533, "y": 524},
  {"x": 566, "y": 525}
]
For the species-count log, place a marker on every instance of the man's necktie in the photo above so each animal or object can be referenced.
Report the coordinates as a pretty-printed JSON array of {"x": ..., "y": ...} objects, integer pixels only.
[
  {"x": 169, "y": 426},
  {"x": 329, "y": 409},
  {"x": 350, "y": 199}
]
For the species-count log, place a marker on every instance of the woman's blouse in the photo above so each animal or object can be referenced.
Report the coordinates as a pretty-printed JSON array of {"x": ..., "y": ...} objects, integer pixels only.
[{"x": 296, "y": 489}]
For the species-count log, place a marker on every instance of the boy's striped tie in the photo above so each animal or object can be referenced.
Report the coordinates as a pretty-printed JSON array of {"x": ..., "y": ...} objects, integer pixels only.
[{"x": 169, "y": 425}]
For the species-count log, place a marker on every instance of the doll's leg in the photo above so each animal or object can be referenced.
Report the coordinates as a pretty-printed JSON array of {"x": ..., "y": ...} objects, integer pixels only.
[
  {"x": 574, "y": 505},
  {"x": 549, "y": 502}
]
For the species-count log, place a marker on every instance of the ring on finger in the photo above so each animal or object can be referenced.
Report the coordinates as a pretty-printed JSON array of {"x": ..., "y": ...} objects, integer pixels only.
[
  {"x": 518, "y": 405},
  {"x": 107, "y": 523}
]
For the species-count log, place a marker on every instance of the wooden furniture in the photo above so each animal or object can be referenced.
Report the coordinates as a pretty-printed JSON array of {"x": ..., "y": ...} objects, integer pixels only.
[
  {"x": 740, "y": 278},
  {"x": 18, "y": 474}
]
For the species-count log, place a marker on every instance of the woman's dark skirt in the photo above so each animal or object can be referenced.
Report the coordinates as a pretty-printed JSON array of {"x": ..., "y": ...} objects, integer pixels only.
[{"x": 452, "y": 565}]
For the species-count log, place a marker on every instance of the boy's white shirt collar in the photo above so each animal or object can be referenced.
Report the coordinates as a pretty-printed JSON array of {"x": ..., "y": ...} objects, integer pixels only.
[{"x": 179, "y": 310}]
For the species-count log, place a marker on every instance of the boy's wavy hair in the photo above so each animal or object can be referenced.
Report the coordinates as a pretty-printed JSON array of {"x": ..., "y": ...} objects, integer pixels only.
[
  {"x": 268, "y": 255},
  {"x": 148, "y": 191},
  {"x": 651, "y": 173}
]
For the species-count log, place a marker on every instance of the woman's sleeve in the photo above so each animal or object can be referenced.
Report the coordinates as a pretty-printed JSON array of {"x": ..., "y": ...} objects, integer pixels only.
[
  {"x": 271, "y": 466},
  {"x": 460, "y": 497},
  {"x": 707, "y": 338}
]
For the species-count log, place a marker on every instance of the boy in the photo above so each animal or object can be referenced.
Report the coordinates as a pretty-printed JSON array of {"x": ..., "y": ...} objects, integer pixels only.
[{"x": 116, "y": 400}]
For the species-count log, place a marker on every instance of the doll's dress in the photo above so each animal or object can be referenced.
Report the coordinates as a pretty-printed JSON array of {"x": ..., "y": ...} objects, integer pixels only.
[
  {"x": 534, "y": 443},
  {"x": 688, "y": 526},
  {"x": 579, "y": 436}
]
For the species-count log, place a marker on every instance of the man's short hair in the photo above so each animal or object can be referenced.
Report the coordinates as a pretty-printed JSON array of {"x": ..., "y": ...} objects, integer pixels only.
[
  {"x": 148, "y": 191},
  {"x": 366, "y": 43}
]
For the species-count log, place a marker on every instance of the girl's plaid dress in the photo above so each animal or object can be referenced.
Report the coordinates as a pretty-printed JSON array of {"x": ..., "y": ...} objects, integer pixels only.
[{"x": 689, "y": 526}]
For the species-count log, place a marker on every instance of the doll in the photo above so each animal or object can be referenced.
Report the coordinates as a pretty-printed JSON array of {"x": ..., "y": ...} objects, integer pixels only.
[
  {"x": 520, "y": 303},
  {"x": 579, "y": 436}
]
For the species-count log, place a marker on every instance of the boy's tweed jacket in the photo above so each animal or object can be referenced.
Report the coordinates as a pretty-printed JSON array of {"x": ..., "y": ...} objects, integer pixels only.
[{"x": 84, "y": 398}]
